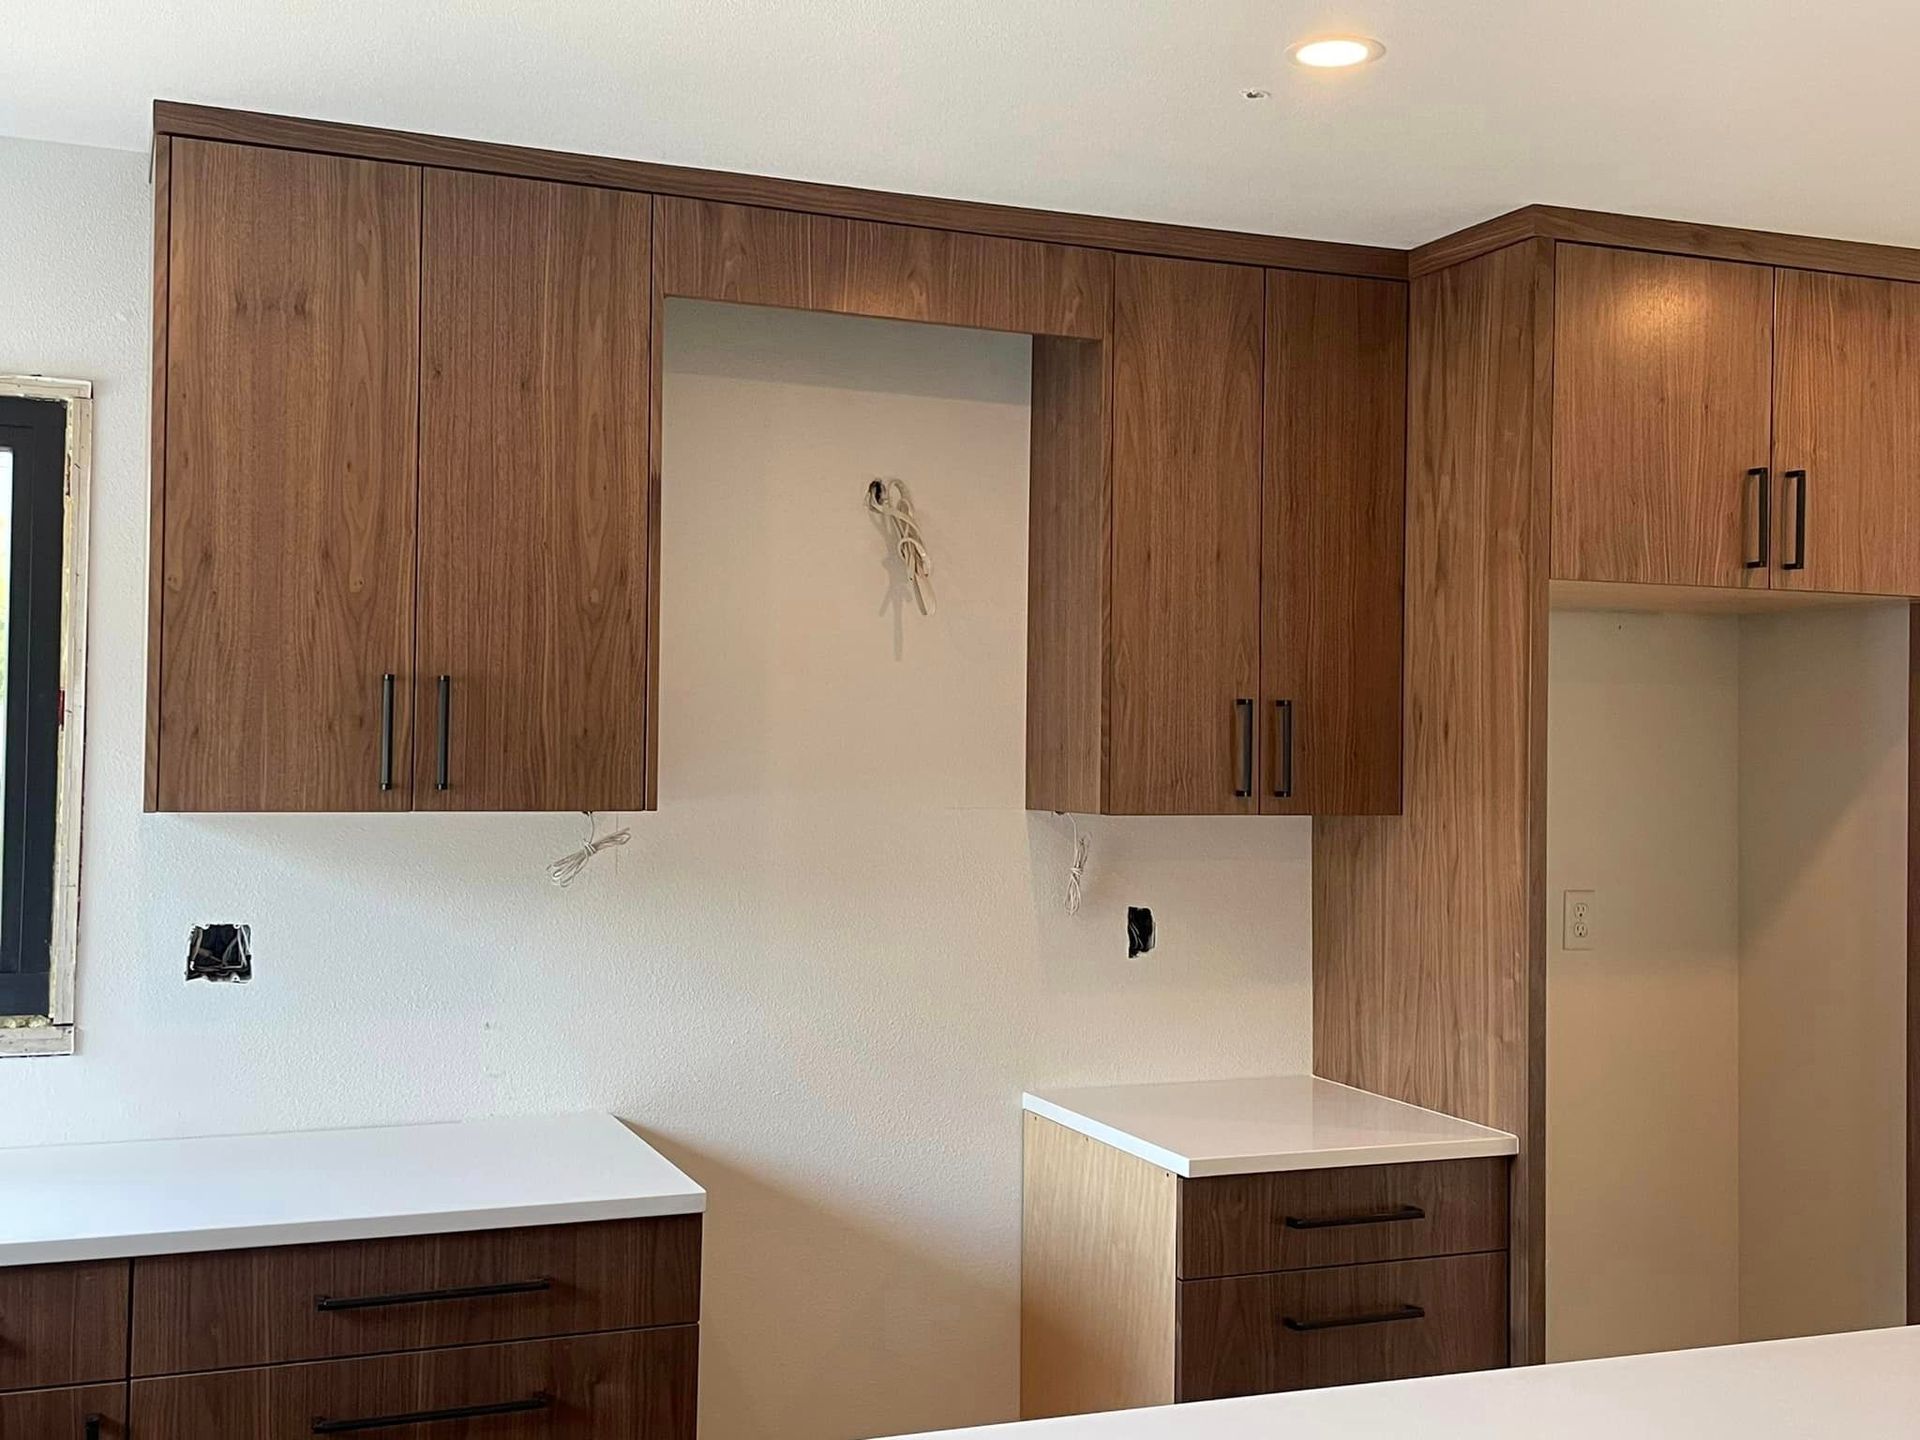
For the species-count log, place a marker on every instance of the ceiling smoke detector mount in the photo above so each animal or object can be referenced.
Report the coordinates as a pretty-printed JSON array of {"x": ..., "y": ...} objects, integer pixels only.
[{"x": 1335, "y": 52}]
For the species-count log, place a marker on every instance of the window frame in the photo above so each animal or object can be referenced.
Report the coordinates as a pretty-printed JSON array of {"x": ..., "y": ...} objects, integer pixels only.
[{"x": 53, "y": 1034}]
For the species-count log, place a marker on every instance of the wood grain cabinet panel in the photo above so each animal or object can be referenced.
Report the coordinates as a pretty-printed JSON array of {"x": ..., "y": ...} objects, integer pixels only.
[
  {"x": 286, "y": 494},
  {"x": 308, "y": 1302},
  {"x": 639, "y": 1385},
  {"x": 1662, "y": 406},
  {"x": 88, "y": 1412},
  {"x": 1345, "y": 1325},
  {"x": 1290, "y": 1220},
  {"x": 1847, "y": 434},
  {"x": 63, "y": 1324},
  {"x": 1188, "y": 347},
  {"x": 534, "y": 553},
  {"x": 739, "y": 254},
  {"x": 944, "y": 277},
  {"x": 1333, "y": 523}
]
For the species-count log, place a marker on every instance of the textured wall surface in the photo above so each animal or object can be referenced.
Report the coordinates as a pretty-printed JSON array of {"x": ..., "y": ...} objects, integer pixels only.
[{"x": 818, "y": 978}]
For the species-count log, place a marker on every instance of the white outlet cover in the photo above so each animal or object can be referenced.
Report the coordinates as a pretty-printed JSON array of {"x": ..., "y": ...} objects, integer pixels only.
[{"x": 1579, "y": 919}]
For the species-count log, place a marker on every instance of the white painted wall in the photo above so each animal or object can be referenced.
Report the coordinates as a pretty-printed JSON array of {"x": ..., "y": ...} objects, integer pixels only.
[
  {"x": 1726, "y": 1069},
  {"x": 1643, "y": 1156},
  {"x": 1823, "y": 971},
  {"x": 818, "y": 978}
]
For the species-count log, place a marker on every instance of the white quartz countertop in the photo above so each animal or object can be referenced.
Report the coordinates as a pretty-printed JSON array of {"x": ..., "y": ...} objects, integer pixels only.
[
  {"x": 1854, "y": 1386},
  {"x": 165, "y": 1197},
  {"x": 1198, "y": 1128}
]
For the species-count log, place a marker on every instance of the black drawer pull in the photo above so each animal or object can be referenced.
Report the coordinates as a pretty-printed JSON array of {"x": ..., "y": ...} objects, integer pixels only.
[
  {"x": 1329, "y": 1222},
  {"x": 1405, "y": 1312},
  {"x": 386, "y": 731},
  {"x": 428, "y": 1417},
  {"x": 1799, "y": 560},
  {"x": 424, "y": 1297},
  {"x": 92, "y": 1431},
  {"x": 1244, "y": 786},
  {"x": 441, "y": 762},
  {"x": 1763, "y": 524}
]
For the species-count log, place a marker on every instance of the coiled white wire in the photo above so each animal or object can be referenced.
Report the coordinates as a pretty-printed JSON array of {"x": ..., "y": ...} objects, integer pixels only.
[
  {"x": 889, "y": 500},
  {"x": 567, "y": 868}
]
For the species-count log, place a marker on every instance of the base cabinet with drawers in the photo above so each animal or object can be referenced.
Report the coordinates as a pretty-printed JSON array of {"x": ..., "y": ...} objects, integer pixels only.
[
  {"x": 562, "y": 1332},
  {"x": 1142, "y": 1287}
]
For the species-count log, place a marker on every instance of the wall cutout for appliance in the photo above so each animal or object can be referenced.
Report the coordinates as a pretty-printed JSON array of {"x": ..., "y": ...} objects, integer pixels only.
[
  {"x": 220, "y": 952},
  {"x": 1140, "y": 932}
]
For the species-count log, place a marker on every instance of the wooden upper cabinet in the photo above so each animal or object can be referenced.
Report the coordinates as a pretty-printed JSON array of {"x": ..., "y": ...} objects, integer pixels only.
[
  {"x": 1847, "y": 434},
  {"x": 1187, "y": 358},
  {"x": 285, "y": 481},
  {"x": 532, "y": 677},
  {"x": 1662, "y": 408},
  {"x": 753, "y": 256},
  {"x": 1335, "y": 525}
]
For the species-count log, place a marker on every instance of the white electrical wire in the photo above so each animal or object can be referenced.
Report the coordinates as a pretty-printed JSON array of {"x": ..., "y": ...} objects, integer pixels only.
[
  {"x": 564, "y": 871},
  {"x": 1078, "y": 868},
  {"x": 889, "y": 500}
]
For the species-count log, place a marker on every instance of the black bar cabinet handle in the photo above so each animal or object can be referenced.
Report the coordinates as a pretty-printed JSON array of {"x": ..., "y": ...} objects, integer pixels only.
[
  {"x": 1799, "y": 561},
  {"x": 1379, "y": 1217},
  {"x": 425, "y": 1297},
  {"x": 1244, "y": 709},
  {"x": 446, "y": 726},
  {"x": 1283, "y": 712},
  {"x": 1765, "y": 523},
  {"x": 1405, "y": 1312},
  {"x": 92, "y": 1431},
  {"x": 386, "y": 731},
  {"x": 527, "y": 1406}
]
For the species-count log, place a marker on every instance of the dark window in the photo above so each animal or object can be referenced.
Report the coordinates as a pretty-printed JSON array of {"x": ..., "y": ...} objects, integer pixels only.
[{"x": 33, "y": 443}]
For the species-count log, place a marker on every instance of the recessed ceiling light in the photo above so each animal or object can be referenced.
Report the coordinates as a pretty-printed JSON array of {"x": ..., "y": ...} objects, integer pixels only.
[{"x": 1336, "y": 52}]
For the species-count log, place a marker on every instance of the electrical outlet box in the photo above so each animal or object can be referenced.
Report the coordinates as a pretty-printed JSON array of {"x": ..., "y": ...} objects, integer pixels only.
[{"x": 1577, "y": 921}]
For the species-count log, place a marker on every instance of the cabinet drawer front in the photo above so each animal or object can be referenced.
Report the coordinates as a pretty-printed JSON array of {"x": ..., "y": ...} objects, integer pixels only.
[
  {"x": 638, "y": 1385},
  {"x": 1244, "y": 1224},
  {"x": 86, "y": 1412},
  {"x": 1255, "y": 1334},
  {"x": 63, "y": 1324},
  {"x": 311, "y": 1302}
]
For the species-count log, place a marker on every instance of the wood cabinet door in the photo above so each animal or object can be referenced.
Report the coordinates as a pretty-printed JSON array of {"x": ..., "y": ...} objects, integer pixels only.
[
  {"x": 1340, "y": 1325},
  {"x": 1334, "y": 523},
  {"x": 533, "y": 496},
  {"x": 87, "y": 1412},
  {"x": 623, "y": 1385},
  {"x": 288, "y": 494},
  {"x": 63, "y": 1324},
  {"x": 1662, "y": 415},
  {"x": 1187, "y": 338},
  {"x": 1846, "y": 441}
]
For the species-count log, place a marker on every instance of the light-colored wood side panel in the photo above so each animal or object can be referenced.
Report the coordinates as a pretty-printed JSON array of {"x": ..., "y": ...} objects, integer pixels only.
[
  {"x": 534, "y": 495},
  {"x": 1428, "y": 936},
  {"x": 905, "y": 272},
  {"x": 1334, "y": 524},
  {"x": 1097, "y": 1292},
  {"x": 1189, "y": 343},
  {"x": 290, "y": 489},
  {"x": 1068, "y": 584},
  {"x": 1847, "y": 413},
  {"x": 1662, "y": 407},
  {"x": 735, "y": 253},
  {"x": 157, "y": 466}
]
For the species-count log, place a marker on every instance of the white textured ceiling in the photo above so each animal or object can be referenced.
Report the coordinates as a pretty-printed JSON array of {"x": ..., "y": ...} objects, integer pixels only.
[{"x": 1782, "y": 114}]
